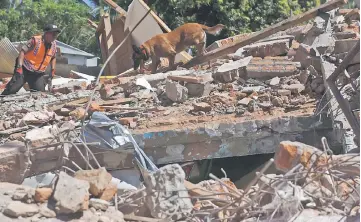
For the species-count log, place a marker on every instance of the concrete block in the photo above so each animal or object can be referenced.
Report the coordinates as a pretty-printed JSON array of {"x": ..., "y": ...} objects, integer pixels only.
[
  {"x": 272, "y": 70},
  {"x": 269, "y": 48},
  {"x": 162, "y": 199},
  {"x": 324, "y": 42},
  {"x": 294, "y": 88},
  {"x": 71, "y": 195},
  {"x": 176, "y": 92},
  {"x": 199, "y": 89},
  {"x": 345, "y": 35},
  {"x": 344, "y": 45},
  {"x": 228, "y": 72},
  {"x": 202, "y": 106}
]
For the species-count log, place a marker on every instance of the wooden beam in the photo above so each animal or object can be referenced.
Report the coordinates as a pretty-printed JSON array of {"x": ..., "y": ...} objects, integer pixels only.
[
  {"x": 281, "y": 26},
  {"x": 337, "y": 94},
  {"x": 163, "y": 25},
  {"x": 116, "y": 7},
  {"x": 92, "y": 24}
]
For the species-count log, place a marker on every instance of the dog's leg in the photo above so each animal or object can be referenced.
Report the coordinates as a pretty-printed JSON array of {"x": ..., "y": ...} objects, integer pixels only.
[
  {"x": 171, "y": 60},
  {"x": 201, "y": 48},
  {"x": 154, "y": 64}
]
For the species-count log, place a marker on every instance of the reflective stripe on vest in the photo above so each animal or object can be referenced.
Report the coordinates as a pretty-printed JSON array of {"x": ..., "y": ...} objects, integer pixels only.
[{"x": 39, "y": 58}]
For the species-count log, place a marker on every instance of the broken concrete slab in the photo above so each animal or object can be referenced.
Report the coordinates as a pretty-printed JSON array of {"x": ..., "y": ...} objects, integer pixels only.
[
  {"x": 97, "y": 178},
  {"x": 345, "y": 35},
  {"x": 71, "y": 194},
  {"x": 167, "y": 195},
  {"x": 42, "y": 194},
  {"x": 269, "y": 48},
  {"x": 202, "y": 106},
  {"x": 228, "y": 72},
  {"x": 272, "y": 70},
  {"x": 176, "y": 92},
  {"x": 18, "y": 209},
  {"x": 324, "y": 42},
  {"x": 207, "y": 77},
  {"x": 294, "y": 88},
  {"x": 99, "y": 204},
  {"x": 199, "y": 89},
  {"x": 38, "y": 117}
]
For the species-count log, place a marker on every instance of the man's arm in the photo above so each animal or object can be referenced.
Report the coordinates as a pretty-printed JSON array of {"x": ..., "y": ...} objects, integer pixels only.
[
  {"x": 24, "y": 49},
  {"x": 52, "y": 66}
]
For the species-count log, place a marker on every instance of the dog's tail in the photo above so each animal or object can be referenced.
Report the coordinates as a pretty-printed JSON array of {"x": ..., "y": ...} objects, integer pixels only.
[{"x": 215, "y": 30}]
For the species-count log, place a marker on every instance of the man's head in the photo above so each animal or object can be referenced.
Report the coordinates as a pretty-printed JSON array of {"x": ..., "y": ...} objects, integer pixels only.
[
  {"x": 139, "y": 57},
  {"x": 51, "y": 32}
]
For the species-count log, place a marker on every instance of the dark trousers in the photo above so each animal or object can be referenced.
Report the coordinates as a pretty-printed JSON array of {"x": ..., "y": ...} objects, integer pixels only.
[{"x": 35, "y": 80}]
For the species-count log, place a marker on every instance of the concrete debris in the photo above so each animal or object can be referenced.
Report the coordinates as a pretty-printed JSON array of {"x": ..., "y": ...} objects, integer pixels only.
[
  {"x": 229, "y": 72},
  {"x": 270, "y": 48},
  {"x": 167, "y": 196},
  {"x": 42, "y": 194},
  {"x": 18, "y": 209},
  {"x": 71, "y": 194},
  {"x": 98, "y": 179},
  {"x": 176, "y": 92},
  {"x": 99, "y": 204}
]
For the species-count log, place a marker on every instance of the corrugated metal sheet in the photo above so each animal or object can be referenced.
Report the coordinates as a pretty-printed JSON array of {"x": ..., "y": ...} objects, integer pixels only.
[{"x": 8, "y": 54}]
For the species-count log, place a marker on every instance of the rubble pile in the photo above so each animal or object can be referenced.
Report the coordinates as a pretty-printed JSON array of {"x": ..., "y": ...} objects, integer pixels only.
[
  {"x": 283, "y": 73},
  {"x": 314, "y": 186}
]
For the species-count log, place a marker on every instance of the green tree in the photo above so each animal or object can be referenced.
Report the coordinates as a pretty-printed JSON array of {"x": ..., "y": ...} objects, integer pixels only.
[{"x": 28, "y": 19}]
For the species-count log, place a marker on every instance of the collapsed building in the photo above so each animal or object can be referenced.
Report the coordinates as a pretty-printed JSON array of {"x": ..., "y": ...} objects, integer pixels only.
[{"x": 273, "y": 89}]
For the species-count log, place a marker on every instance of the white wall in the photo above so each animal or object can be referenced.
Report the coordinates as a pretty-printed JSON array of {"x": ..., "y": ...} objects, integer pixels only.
[
  {"x": 92, "y": 62},
  {"x": 76, "y": 59}
]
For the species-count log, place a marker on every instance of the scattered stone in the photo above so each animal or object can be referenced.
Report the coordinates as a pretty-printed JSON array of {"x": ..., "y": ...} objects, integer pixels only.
[
  {"x": 46, "y": 212},
  {"x": 303, "y": 77},
  {"x": 240, "y": 111},
  {"x": 276, "y": 101},
  {"x": 38, "y": 117},
  {"x": 42, "y": 194},
  {"x": 162, "y": 200},
  {"x": 266, "y": 71},
  {"x": 18, "y": 209},
  {"x": 24, "y": 194},
  {"x": 201, "y": 106},
  {"x": 106, "y": 91},
  {"x": 244, "y": 101},
  {"x": 299, "y": 100},
  {"x": 99, "y": 204},
  {"x": 176, "y": 92},
  {"x": 70, "y": 87},
  {"x": 274, "y": 81},
  {"x": 17, "y": 136},
  {"x": 294, "y": 88},
  {"x": 199, "y": 89},
  {"x": 98, "y": 179},
  {"x": 109, "y": 192},
  {"x": 228, "y": 72},
  {"x": 71, "y": 194},
  {"x": 284, "y": 92},
  {"x": 269, "y": 48},
  {"x": 78, "y": 113},
  {"x": 230, "y": 110}
]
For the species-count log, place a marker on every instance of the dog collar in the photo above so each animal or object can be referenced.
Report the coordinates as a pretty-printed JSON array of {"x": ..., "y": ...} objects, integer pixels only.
[{"x": 144, "y": 52}]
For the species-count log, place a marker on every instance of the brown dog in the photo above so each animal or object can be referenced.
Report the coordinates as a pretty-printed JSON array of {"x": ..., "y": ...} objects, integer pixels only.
[{"x": 169, "y": 44}]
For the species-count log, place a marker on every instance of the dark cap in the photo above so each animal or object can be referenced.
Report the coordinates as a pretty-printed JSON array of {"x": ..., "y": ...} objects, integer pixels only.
[{"x": 51, "y": 28}]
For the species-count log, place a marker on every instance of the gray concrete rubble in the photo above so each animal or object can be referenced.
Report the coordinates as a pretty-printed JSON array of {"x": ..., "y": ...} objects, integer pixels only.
[{"x": 98, "y": 161}]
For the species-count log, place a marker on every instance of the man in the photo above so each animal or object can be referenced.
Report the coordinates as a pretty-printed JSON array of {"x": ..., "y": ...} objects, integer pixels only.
[{"x": 33, "y": 59}]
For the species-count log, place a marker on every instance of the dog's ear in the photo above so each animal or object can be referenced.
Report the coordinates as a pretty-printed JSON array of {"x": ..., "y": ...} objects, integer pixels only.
[{"x": 136, "y": 49}]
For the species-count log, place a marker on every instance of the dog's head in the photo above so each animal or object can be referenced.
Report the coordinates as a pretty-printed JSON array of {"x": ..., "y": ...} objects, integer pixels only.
[{"x": 138, "y": 56}]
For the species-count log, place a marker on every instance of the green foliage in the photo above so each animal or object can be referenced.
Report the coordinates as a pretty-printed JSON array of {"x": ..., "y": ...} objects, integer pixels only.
[{"x": 28, "y": 18}]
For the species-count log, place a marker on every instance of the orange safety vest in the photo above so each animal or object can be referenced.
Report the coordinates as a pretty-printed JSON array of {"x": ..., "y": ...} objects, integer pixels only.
[{"x": 38, "y": 58}]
